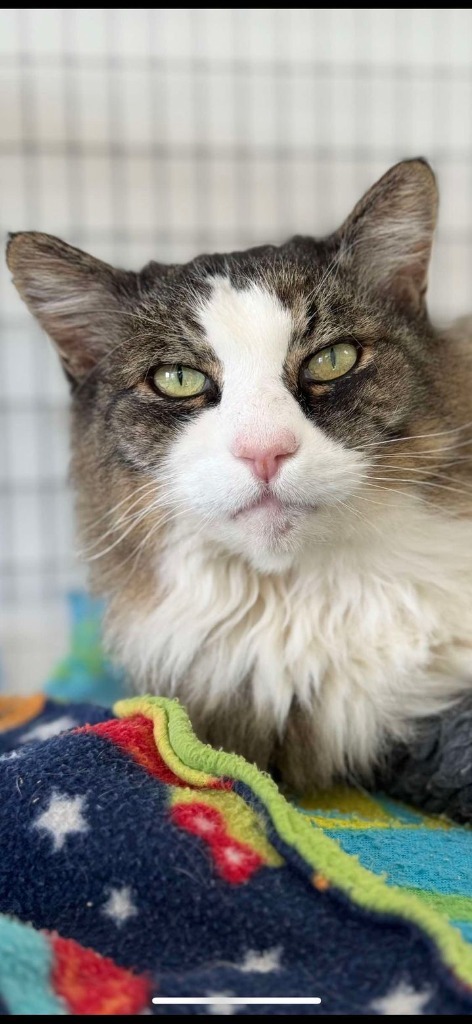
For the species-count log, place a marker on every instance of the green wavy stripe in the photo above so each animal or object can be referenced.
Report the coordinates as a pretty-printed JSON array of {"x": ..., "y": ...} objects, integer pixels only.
[
  {"x": 318, "y": 850},
  {"x": 452, "y": 905}
]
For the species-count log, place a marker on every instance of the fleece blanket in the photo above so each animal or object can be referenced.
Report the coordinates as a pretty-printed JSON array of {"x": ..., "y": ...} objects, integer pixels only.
[
  {"x": 159, "y": 918},
  {"x": 143, "y": 872}
]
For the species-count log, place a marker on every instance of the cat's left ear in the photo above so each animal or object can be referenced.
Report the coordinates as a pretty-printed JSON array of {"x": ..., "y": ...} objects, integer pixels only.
[
  {"x": 387, "y": 238},
  {"x": 80, "y": 301}
]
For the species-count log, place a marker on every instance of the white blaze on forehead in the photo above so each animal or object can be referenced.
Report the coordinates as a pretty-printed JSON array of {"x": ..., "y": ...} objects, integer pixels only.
[{"x": 249, "y": 330}]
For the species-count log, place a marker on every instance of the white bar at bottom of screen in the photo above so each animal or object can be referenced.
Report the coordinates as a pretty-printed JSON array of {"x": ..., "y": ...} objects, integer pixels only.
[{"x": 236, "y": 1000}]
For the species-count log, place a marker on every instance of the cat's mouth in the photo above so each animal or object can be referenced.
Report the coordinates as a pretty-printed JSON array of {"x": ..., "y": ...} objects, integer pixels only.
[{"x": 279, "y": 514}]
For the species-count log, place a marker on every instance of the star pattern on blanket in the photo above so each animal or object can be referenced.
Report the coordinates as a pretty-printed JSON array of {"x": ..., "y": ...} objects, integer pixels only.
[
  {"x": 45, "y": 730},
  {"x": 261, "y": 963},
  {"x": 403, "y": 1000},
  {"x": 119, "y": 905},
  {"x": 222, "y": 1009},
  {"x": 63, "y": 817}
]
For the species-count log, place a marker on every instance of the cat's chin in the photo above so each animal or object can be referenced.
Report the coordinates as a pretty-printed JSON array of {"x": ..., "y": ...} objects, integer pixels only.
[{"x": 271, "y": 540}]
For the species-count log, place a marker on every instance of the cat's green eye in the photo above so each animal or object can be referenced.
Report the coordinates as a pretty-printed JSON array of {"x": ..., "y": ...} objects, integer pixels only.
[
  {"x": 177, "y": 381},
  {"x": 332, "y": 362}
]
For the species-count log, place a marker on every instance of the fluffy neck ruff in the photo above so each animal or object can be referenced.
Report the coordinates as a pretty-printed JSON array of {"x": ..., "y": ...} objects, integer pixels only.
[{"x": 364, "y": 637}]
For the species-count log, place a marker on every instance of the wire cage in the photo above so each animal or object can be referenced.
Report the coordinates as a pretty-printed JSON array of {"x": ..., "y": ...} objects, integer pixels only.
[{"x": 140, "y": 134}]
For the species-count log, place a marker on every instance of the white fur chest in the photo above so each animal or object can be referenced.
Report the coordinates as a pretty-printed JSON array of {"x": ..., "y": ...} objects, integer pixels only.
[{"x": 366, "y": 636}]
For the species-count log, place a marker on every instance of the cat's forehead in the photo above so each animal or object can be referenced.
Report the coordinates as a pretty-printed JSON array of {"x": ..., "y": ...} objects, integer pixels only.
[
  {"x": 264, "y": 305},
  {"x": 290, "y": 271},
  {"x": 250, "y": 322},
  {"x": 257, "y": 301}
]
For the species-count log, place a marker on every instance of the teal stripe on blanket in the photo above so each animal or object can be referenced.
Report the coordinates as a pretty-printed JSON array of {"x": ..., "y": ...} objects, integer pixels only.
[
  {"x": 442, "y": 864},
  {"x": 25, "y": 969}
]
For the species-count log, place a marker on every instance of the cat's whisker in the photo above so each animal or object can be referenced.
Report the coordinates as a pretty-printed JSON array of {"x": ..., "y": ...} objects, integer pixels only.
[
  {"x": 429, "y": 456},
  {"x": 126, "y": 517},
  {"x": 134, "y": 519},
  {"x": 156, "y": 528},
  {"x": 358, "y": 515},
  {"x": 405, "y": 494},
  {"x": 162, "y": 494},
  {"x": 110, "y": 512},
  {"x": 416, "y": 482},
  {"x": 418, "y": 437},
  {"x": 418, "y": 472},
  {"x": 436, "y": 453},
  {"x": 423, "y": 483},
  {"x": 121, "y": 521},
  {"x": 135, "y": 522},
  {"x": 160, "y": 524}
]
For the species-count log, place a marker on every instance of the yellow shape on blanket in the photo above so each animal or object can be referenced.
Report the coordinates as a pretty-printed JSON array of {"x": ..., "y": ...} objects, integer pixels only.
[
  {"x": 241, "y": 821},
  {"x": 355, "y": 802},
  {"x": 344, "y": 808}
]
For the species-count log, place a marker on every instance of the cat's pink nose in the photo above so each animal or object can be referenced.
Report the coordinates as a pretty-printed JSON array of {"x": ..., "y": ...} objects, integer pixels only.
[{"x": 266, "y": 459}]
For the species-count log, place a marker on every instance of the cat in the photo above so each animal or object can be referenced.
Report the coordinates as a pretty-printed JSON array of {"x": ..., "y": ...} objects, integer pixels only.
[{"x": 271, "y": 454}]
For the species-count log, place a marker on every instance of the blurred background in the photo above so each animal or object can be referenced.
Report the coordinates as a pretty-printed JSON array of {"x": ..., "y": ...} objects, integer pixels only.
[{"x": 140, "y": 134}]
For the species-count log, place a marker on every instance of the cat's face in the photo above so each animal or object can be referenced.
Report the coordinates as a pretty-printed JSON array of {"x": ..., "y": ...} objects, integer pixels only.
[
  {"x": 292, "y": 389},
  {"x": 244, "y": 395},
  {"x": 264, "y": 461}
]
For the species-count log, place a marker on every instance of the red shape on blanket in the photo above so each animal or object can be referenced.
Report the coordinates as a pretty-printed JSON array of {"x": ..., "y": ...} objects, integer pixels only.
[
  {"x": 235, "y": 861},
  {"x": 135, "y": 736},
  {"x": 93, "y": 984}
]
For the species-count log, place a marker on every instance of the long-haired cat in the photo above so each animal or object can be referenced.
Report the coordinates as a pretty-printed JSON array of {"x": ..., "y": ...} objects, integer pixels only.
[{"x": 271, "y": 451}]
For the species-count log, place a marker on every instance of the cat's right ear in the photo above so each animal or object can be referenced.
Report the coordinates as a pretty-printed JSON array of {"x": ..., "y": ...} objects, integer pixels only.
[
  {"x": 387, "y": 238},
  {"x": 73, "y": 295}
]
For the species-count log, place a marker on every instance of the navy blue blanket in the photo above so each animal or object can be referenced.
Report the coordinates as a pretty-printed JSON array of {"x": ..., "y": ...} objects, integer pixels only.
[{"x": 139, "y": 865}]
